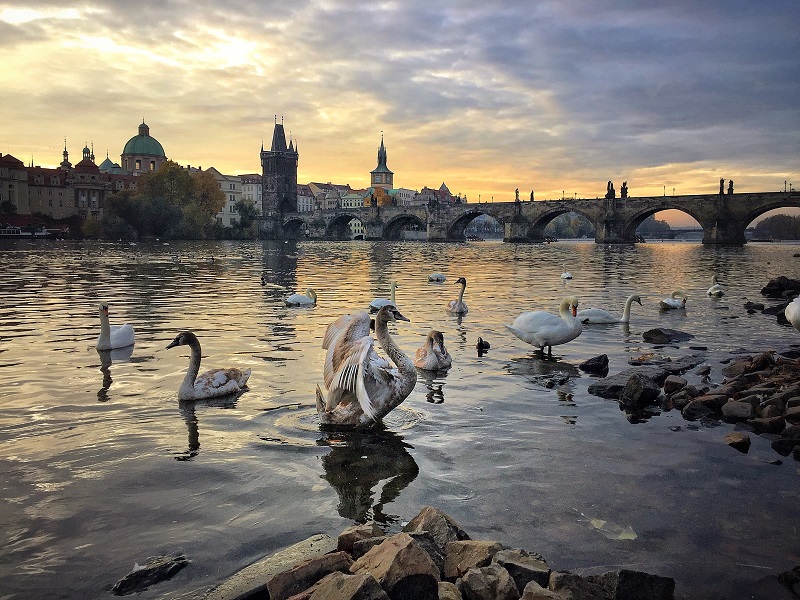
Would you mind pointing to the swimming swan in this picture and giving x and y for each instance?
(433, 356)
(379, 303)
(307, 299)
(217, 382)
(598, 315)
(111, 337)
(676, 300)
(363, 387)
(566, 274)
(544, 329)
(459, 307)
(715, 290)
(437, 278)
(792, 312)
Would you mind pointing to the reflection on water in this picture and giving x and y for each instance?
(361, 465)
(107, 358)
(434, 383)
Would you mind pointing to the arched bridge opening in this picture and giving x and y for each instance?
(631, 231)
(561, 223)
(405, 226)
(457, 229)
(339, 228)
(295, 228)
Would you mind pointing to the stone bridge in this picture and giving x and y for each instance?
(723, 218)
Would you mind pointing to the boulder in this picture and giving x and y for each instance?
(738, 440)
(439, 524)
(792, 415)
(449, 591)
(639, 391)
(674, 383)
(768, 424)
(635, 585)
(461, 556)
(302, 576)
(534, 591)
(696, 410)
(355, 533)
(523, 567)
(733, 411)
(661, 335)
(780, 286)
(597, 365)
(575, 587)
(402, 567)
(361, 547)
(341, 586)
(488, 583)
(154, 570)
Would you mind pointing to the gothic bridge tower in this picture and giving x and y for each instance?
(279, 175)
(382, 177)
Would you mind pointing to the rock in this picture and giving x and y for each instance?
(523, 567)
(611, 387)
(696, 410)
(575, 587)
(402, 567)
(712, 400)
(597, 365)
(439, 524)
(341, 586)
(768, 425)
(449, 591)
(784, 446)
(253, 579)
(302, 576)
(738, 440)
(154, 570)
(534, 591)
(660, 335)
(737, 411)
(427, 543)
(640, 391)
(461, 556)
(674, 383)
(635, 585)
(739, 367)
(754, 306)
(488, 583)
(776, 288)
(357, 532)
(361, 547)
(793, 415)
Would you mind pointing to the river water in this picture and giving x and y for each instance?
(103, 467)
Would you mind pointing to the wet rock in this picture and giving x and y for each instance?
(342, 586)
(154, 570)
(780, 286)
(461, 556)
(523, 567)
(575, 587)
(427, 543)
(635, 585)
(439, 524)
(611, 387)
(355, 533)
(597, 365)
(792, 415)
(361, 547)
(661, 335)
(674, 383)
(534, 591)
(753, 306)
(302, 576)
(449, 591)
(738, 440)
(695, 410)
(768, 425)
(737, 411)
(639, 391)
(402, 567)
(488, 583)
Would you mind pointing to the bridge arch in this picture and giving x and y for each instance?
(536, 228)
(295, 228)
(455, 230)
(393, 230)
(633, 221)
(338, 227)
(792, 201)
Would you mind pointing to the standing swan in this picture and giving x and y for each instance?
(676, 300)
(217, 382)
(459, 307)
(545, 329)
(111, 337)
(598, 315)
(307, 299)
(379, 303)
(365, 387)
(433, 356)
(792, 312)
(715, 291)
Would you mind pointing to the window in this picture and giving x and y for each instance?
(152, 165)
(138, 165)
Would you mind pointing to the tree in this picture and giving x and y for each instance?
(207, 195)
(778, 227)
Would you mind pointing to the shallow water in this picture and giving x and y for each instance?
(103, 467)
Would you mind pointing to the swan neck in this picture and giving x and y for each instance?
(105, 326)
(404, 364)
(461, 293)
(626, 313)
(391, 297)
(194, 365)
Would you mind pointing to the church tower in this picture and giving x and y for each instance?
(381, 176)
(279, 175)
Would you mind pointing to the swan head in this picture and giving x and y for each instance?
(389, 313)
(312, 294)
(637, 300)
(570, 303)
(436, 338)
(462, 281)
(186, 338)
(104, 308)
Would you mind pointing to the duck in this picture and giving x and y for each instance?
(433, 356)
(566, 274)
(545, 330)
(676, 300)
(307, 299)
(437, 278)
(113, 336)
(482, 345)
(363, 387)
(792, 313)
(379, 303)
(598, 315)
(458, 306)
(715, 291)
(211, 384)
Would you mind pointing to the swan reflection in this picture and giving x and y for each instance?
(357, 464)
(433, 381)
(547, 372)
(187, 409)
(107, 358)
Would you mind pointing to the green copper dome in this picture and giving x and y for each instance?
(144, 144)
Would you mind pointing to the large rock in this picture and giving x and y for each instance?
(154, 570)
(574, 587)
(534, 591)
(439, 524)
(402, 567)
(597, 365)
(661, 335)
(302, 576)
(611, 387)
(341, 586)
(738, 440)
(449, 591)
(635, 585)
(674, 383)
(253, 579)
(357, 532)
(781, 287)
(640, 391)
(461, 556)
(737, 411)
(523, 567)
(488, 583)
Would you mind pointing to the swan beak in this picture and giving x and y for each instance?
(400, 317)
(172, 344)
(574, 311)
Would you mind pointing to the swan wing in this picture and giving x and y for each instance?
(220, 382)
(122, 336)
(351, 376)
(338, 340)
(596, 315)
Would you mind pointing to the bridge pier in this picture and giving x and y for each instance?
(270, 227)
(611, 230)
(519, 231)
(724, 233)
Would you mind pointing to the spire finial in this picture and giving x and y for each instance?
(276, 119)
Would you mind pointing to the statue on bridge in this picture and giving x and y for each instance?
(623, 191)
(610, 193)
(721, 186)
(516, 192)
(531, 195)
(730, 187)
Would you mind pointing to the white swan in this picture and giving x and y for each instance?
(437, 278)
(363, 387)
(676, 300)
(598, 315)
(217, 382)
(307, 299)
(116, 336)
(459, 307)
(792, 312)
(379, 303)
(566, 274)
(715, 290)
(545, 329)
(433, 356)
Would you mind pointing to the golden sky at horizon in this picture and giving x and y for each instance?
(558, 97)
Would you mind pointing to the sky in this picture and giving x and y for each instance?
(555, 96)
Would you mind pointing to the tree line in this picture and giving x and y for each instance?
(778, 227)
